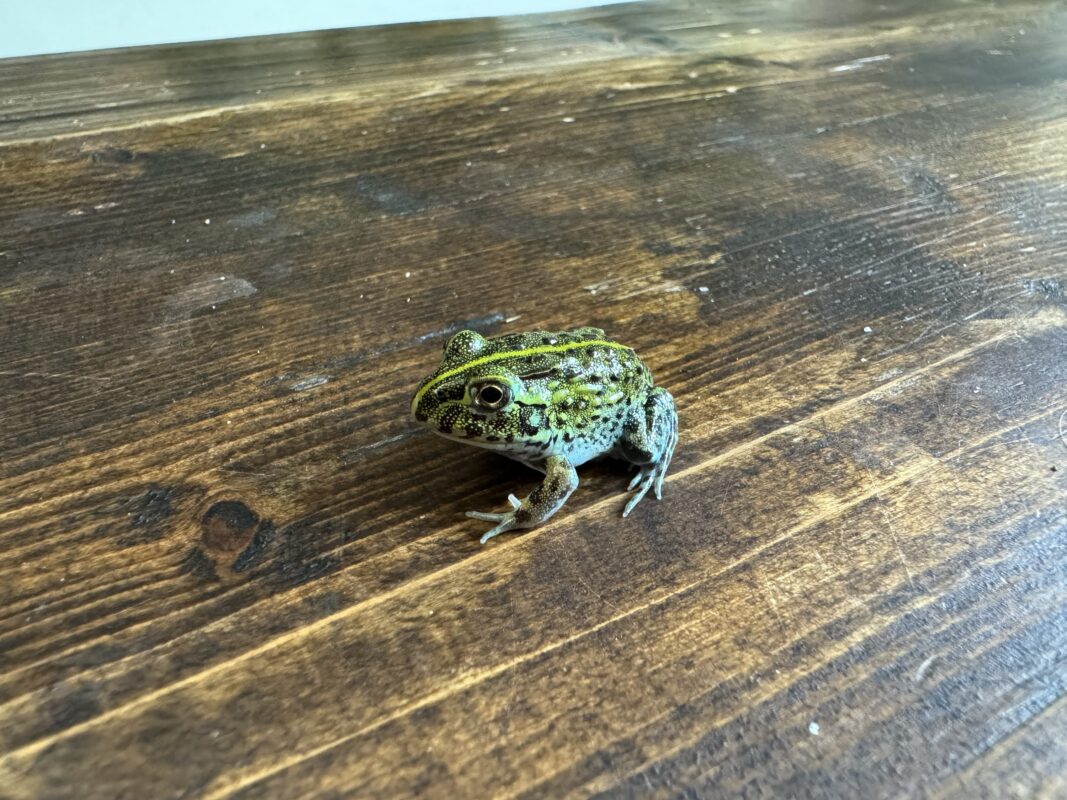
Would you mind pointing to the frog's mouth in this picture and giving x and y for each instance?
(501, 445)
(523, 451)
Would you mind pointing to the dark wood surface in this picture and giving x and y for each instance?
(230, 565)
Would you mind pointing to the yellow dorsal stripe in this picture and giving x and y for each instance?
(531, 351)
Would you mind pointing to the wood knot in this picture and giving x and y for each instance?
(228, 525)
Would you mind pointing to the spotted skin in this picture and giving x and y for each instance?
(552, 400)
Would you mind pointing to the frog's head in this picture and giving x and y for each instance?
(480, 394)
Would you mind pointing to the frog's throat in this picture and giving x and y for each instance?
(529, 351)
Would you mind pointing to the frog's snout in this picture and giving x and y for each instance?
(418, 409)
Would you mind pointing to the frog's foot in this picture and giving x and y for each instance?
(543, 502)
(505, 522)
(648, 441)
(647, 476)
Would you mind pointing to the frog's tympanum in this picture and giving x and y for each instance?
(552, 401)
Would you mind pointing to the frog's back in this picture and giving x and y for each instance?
(536, 352)
(590, 384)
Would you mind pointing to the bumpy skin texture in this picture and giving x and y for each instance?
(552, 400)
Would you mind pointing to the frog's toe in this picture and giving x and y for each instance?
(634, 481)
(499, 529)
(505, 521)
(660, 475)
(647, 478)
(487, 516)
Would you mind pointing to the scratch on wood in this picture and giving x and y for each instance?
(56, 375)
(924, 667)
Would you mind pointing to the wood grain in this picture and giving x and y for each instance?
(233, 567)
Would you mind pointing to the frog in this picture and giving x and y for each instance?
(552, 400)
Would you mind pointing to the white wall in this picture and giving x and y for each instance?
(29, 27)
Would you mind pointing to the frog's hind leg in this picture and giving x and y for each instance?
(648, 440)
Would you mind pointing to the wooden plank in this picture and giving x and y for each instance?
(1031, 763)
(231, 564)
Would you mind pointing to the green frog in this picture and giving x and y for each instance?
(552, 401)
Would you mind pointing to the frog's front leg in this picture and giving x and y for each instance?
(648, 439)
(560, 480)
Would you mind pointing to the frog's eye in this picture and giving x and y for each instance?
(465, 343)
(491, 395)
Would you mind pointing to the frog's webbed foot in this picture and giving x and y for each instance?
(544, 501)
(505, 521)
